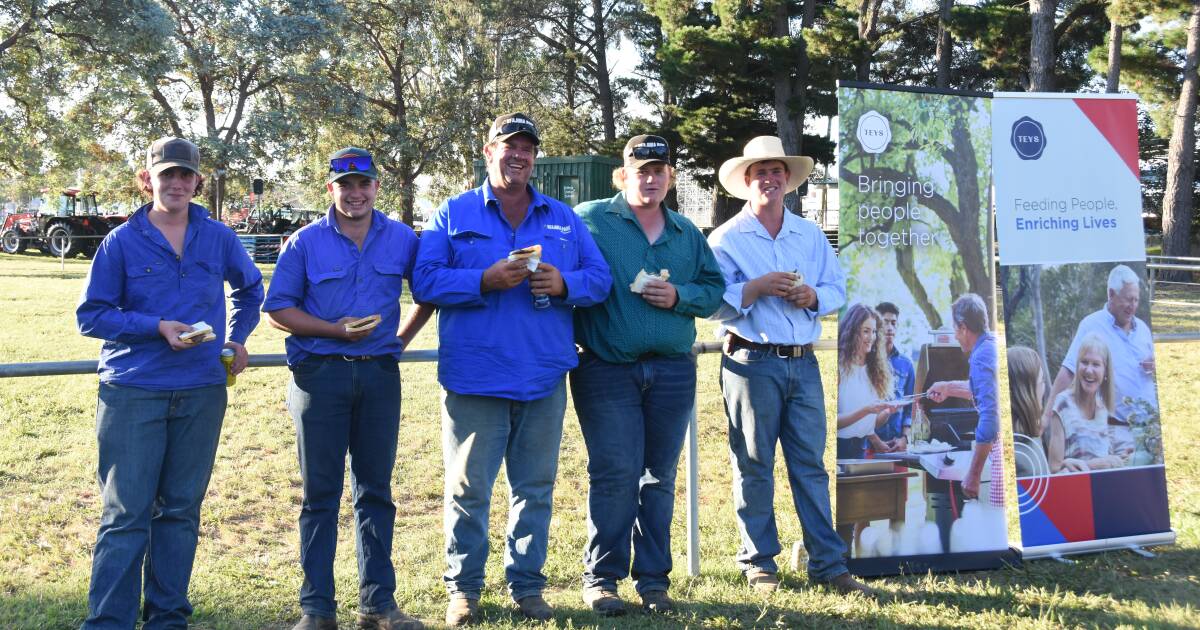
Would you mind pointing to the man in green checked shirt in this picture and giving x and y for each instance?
(635, 387)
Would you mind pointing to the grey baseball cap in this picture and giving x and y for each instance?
(508, 125)
(169, 151)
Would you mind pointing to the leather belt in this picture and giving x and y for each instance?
(348, 357)
(786, 352)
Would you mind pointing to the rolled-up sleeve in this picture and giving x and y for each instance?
(982, 379)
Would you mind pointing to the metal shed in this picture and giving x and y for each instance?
(572, 179)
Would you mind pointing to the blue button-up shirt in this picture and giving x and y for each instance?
(745, 251)
(324, 273)
(981, 377)
(903, 376)
(496, 343)
(137, 280)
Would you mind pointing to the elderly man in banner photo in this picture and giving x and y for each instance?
(336, 291)
(781, 275)
(162, 396)
(507, 265)
(1129, 342)
(635, 386)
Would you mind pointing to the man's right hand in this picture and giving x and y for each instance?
(170, 330)
(775, 283)
(346, 335)
(504, 275)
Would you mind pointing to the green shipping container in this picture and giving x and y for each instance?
(572, 180)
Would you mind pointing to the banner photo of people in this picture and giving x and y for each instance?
(919, 479)
(1087, 438)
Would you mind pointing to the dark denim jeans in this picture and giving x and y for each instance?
(769, 400)
(478, 433)
(156, 457)
(346, 406)
(634, 417)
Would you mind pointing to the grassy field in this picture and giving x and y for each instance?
(247, 574)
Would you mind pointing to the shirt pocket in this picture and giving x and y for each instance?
(473, 250)
(205, 280)
(327, 294)
(560, 250)
(146, 286)
(389, 280)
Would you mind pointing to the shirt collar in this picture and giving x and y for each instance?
(536, 199)
(141, 219)
(619, 205)
(1112, 321)
(328, 221)
(747, 222)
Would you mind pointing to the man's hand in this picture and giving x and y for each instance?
(504, 275)
(775, 283)
(347, 335)
(241, 358)
(802, 296)
(939, 391)
(970, 484)
(170, 330)
(547, 280)
(660, 294)
(878, 445)
(897, 445)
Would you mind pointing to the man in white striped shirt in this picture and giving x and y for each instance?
(781, 275)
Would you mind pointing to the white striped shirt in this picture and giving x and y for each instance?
(745, 251)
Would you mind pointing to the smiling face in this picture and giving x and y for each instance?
(1123, 304)
(1090, 370)
(646, 186)
(868, 332)
(510, 162)
(766, 182)
(354, 196)
(173, 188)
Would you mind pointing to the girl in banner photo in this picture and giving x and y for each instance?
(1027, 390)
(1083, 410)
(864, 380)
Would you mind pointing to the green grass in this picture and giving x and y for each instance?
(247, 575)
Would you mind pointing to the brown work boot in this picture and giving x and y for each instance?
(762, 581)
(657, 602)
(390, 620)
(535, 608)
(847, 585)
(313, 622)
(603, 601)
(462, 611)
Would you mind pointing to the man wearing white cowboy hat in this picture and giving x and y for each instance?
(781, 275)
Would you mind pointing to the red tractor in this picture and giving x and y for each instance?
(76, 227)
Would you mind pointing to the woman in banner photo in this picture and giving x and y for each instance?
(1027, 390)
(864, 380)
(1083, 410)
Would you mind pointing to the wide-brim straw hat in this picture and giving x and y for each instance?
(732, 173)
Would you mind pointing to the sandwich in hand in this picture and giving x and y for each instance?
(200, 333)
(365, 323)
(797, 278)
(642, 278)
(532, 254)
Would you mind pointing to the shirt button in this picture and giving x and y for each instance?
(147, 270)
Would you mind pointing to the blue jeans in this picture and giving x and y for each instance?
(478, 432)
(634, 417)
(769, 399)
(156, 453)
(343, 406)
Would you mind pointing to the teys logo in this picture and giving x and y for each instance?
(874, 132)
(1028, 138)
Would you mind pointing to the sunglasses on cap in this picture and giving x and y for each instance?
(516, 127)
(351, 164)
(650, 151)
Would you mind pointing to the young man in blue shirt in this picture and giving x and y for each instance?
(161, 399)
(781, 275)
(892, 436)
(344, 394)
(503, 359)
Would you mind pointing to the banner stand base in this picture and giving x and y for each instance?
(935, 562)
(1132, 543)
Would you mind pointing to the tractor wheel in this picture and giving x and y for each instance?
(11, 243)
(61, 240)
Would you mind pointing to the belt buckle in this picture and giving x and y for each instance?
(351, 358)
(784, 352)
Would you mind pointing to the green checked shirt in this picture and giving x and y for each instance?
(625, 326)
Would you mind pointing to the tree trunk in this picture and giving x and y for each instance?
(1181, 166)
(868, 23)
(603, 81)
(1041, 46)
(724, 207)
(789, 121)
(1114, 57)
(945, 44)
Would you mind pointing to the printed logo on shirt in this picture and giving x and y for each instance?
(565, 229)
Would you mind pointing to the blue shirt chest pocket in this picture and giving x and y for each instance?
(329, 292)
(389, 279)
(203, 282)
(560, 250)
(147, 287)
(471, 249)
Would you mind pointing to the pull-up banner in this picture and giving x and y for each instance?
(1085, 414)
(920, 474)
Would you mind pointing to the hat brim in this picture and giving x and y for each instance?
(162, 166)
(505, 136)
(371, 174)
(732, 173)
(641, 163)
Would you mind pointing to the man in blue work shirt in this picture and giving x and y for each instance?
(344, 395)
(161, 399)
(502, 360)
(893, 435)
(780, 276)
